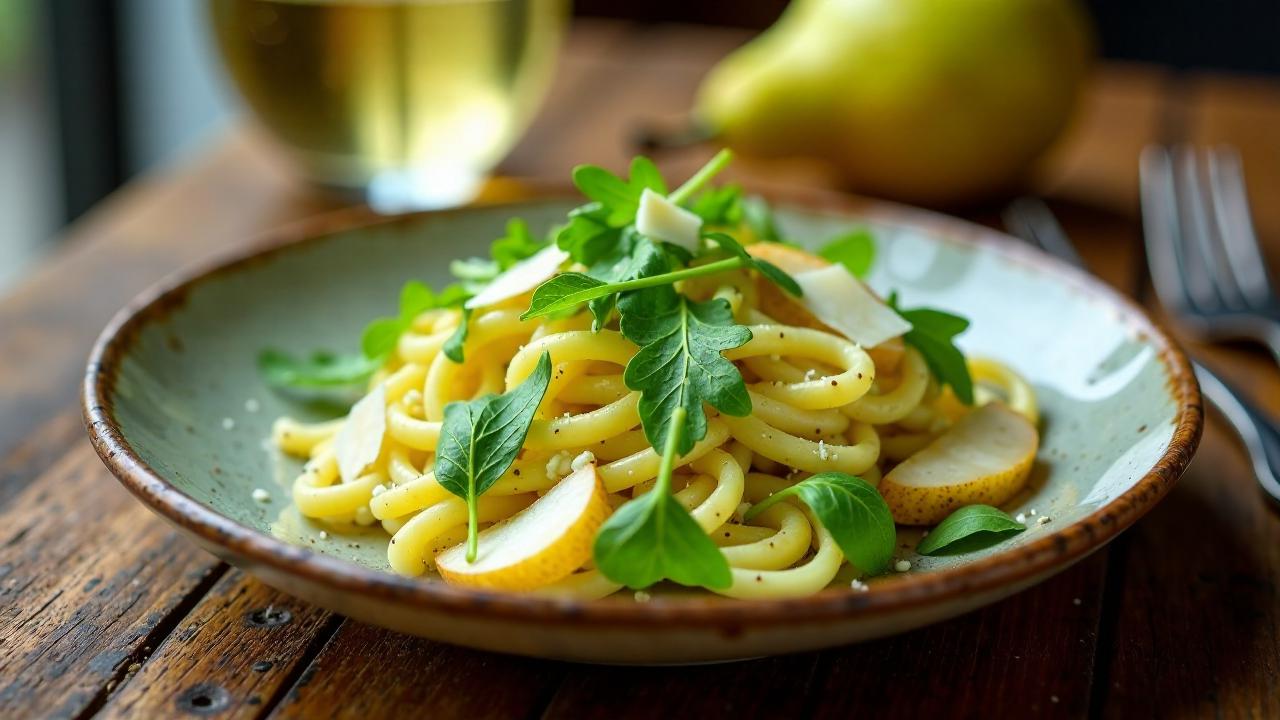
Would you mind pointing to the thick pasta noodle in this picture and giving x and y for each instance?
(819, 401)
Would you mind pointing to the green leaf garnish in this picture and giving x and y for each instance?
(635, 257)
(699, 179)
(654, 538)
(479, 440)
(595, 230)
(933, 333)
(775, 274)
(758, 217)
(852, 510)
(319, 370)
(971, 528)
(856, 251)
(380, 336)
(720, 206)
(518, 244)
(452, 347)
(568, 290)
(679, 364)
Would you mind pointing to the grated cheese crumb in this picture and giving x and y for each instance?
(1021, 517)
(902, 565)
(1075, 601)
(859, 586)
(260, 495)
(1044, 520)
(739, 514)
(324, 535)
(810, 374)
(822, 450)
(559, 465)
(228, 423)
(1033, 512)
(642, 596)
(585, 458)
(251, 405)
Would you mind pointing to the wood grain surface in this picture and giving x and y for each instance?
(106, 611)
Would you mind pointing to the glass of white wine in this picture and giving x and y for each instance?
(408, 102)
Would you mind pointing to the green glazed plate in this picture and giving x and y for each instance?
(176, 409)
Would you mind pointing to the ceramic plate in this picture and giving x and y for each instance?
(176, 410)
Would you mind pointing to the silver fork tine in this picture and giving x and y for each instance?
(1240, 242)
(1207, 283)
(1211, 238)
(1160, 219)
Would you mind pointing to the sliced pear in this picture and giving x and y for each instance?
(786, 310)
(984, 458)
(539, 545)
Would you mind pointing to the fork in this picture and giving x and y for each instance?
(1205, 261)
(1030, 219)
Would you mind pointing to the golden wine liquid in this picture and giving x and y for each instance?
(413, 99)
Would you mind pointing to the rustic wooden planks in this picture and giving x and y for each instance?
(1179, 627)
(1197, 630)
(234, 655)
(89, 581)
(368, 672)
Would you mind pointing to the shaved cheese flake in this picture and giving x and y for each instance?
(521, 277)
(661, 219)
(841, 301)
(359, 442)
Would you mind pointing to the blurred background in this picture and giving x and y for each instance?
(94, 92)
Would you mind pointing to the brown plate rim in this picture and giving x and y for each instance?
(1016, 566)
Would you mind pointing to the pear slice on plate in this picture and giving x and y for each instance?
(984, 458)
(788, 311)
(541, 544)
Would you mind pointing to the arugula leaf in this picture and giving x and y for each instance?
(719, 206)
(636, 257)
(702, 177)
(319, 370)
(933, 333)
(618, 199)
(452, 347)
(776, 275)
(588, 237)
(972, 527)
(479, 440)
(518, 244)
(568, 290)
(653, 537)
(679, 364)
(758, 217)
(644, 174)
(595, 230)
(852, 510)
(856, 251)
(380, 336)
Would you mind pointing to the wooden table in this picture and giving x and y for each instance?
(106, 611)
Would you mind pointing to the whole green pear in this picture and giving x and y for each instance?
(932, 101)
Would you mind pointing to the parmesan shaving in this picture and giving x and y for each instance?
(359, 442)
(521, 277)
(846, 305)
